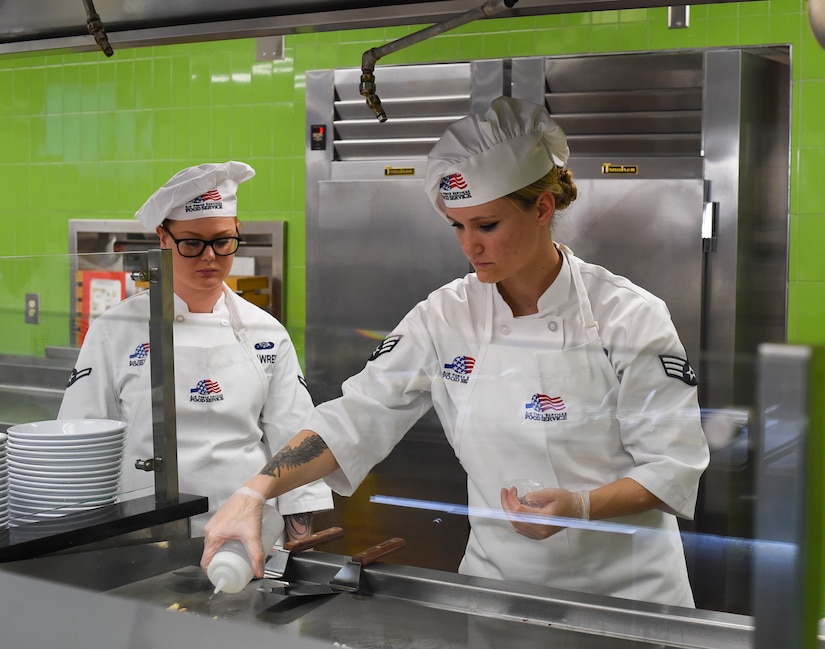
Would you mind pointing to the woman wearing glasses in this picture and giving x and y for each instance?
(239, 389)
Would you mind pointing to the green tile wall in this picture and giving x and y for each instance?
(88, 137)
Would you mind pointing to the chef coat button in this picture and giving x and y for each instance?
(505, 329)
(552, 326)
(179, 318)
(224, 323)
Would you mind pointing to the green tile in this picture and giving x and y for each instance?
(604, 38)
(125, 85)
(811, 165)
(574, 40)
(88, 140)
(200, 80)
(241, 134)
(811, 57)
(722, 31)
(35, 84)
(262, 130)
(724, 10)
(163, 133)
(201, 133)
(220, 133)
(755, 8)
(754, 29)
(88, 88)
(162, 82)
(811, 109)
(633, 36)
(144, 79)
(183, 133)
(811, 234)
(7, 88)
(107, 86)
(124, 135)
(180, 94)
(810, 298)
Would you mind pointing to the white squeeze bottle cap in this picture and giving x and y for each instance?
(230, 569)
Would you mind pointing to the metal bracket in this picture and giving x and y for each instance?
(678, 17)
(152, 464)
(710, 222)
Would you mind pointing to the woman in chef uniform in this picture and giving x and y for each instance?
(240, 392)
(540, 366)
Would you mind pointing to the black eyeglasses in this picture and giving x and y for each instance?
(223, 247)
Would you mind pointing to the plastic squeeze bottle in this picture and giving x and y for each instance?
(230, 570)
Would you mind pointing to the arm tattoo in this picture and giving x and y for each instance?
(291, 458)
(298, 525)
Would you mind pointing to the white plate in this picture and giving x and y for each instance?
(61, 483)
(16, 488)
(38, 472)
(27, 508)
(65, 429)
(46, 460)
(80, 446)
(84, 457)
(83, 469)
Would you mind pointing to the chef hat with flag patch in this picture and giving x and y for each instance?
(483, 157)
(195, 193)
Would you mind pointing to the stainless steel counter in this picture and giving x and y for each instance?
(399, 606)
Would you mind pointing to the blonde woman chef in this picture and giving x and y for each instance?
(240, 392)
(539, 365)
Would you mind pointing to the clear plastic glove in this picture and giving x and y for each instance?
(545, 502)
(238, 518)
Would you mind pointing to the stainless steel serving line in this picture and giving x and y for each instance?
(399, 606)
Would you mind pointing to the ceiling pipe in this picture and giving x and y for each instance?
(96, 29)
(371, 56)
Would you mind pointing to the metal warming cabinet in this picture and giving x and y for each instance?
(681, 161)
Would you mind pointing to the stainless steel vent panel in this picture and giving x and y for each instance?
(684, 122)
(397, 128)
(383, 149)
(628, 105)
(636, 146)
(624, 72)
(626, 100)
(396, 82)
(421, 101)
(400, 108)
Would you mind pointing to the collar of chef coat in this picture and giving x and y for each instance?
(557, 304)
(220, 308)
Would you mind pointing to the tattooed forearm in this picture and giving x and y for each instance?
(298, 525)
(291, 458)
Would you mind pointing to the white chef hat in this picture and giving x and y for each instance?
(483, 157)
(196, 192)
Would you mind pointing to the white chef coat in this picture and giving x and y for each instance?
(592, 388)
(240, 396)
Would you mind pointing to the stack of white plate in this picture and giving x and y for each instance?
(4, 483)
(63, 466)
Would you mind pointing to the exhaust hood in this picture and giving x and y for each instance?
(31, 25)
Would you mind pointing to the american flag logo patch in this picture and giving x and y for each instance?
(387, 345)
(206, 386)
(141, 351)
(211, 195)
(453, 182)
(678, 368)
(206, 391)
(461, 365)
(543, 403)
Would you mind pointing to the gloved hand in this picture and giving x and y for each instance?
(238, 518)
(545, 502)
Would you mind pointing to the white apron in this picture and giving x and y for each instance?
(568, 437)
(219, 393)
